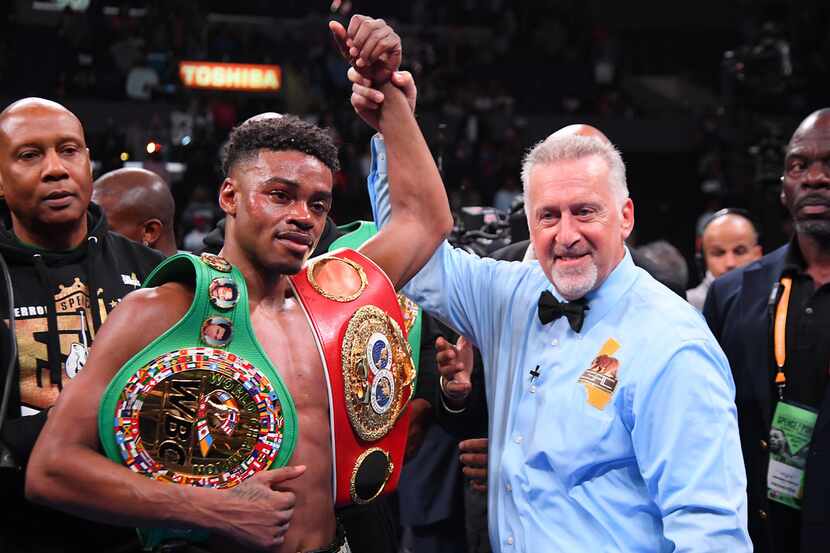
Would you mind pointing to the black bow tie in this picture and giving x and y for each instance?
(550, 309)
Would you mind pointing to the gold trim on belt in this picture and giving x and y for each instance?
(377, 366)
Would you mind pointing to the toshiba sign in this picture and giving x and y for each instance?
(230, 76)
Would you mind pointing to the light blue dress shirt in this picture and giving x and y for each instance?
(658, 469)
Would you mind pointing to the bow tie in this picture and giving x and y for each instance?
(550, 309)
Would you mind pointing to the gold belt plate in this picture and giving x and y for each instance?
(199, 416)
(377, 372)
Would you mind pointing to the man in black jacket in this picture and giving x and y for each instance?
(772, 319)
(68, 272)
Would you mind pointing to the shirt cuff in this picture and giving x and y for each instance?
(379, 155)
(444, 403)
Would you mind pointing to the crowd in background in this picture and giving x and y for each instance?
(477, 66)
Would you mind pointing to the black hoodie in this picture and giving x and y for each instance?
(56, 319)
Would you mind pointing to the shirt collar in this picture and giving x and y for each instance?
(794, 260)
(604, 298)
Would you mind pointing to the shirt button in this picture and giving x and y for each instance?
(763, 514)
(555, 342)
(532, 389)
(509, 540)
(517, 439)
(809, 310)
(508, 487)
(764, 445)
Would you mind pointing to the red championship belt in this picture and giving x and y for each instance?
(359, 330)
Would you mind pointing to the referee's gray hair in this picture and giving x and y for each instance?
(559, 148)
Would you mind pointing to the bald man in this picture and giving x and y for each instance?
(139, 205)
(68, 271)
(730, 240)
(580, 129)
(772, 318)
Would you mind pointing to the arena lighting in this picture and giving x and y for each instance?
(125, 156)
(230, 76)
(153, 147)
(60, 5)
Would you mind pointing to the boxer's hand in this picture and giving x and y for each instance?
(257, 513)
(366, 100)
(420, 417)
(474, 461)
(371, 46)
(455, 364)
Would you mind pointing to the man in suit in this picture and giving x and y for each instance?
(729, 241)
(430, 494)
(772, 319)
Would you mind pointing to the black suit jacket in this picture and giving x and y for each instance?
(739, 313)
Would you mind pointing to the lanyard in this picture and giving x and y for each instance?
(780, 335)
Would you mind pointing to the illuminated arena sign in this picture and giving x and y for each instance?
(230, 76)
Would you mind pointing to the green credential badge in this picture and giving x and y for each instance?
(789, 445)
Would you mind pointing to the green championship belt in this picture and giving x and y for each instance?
(201, 405)
(357, 233)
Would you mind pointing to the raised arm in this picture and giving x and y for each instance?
(66, 470)
(420, 215)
